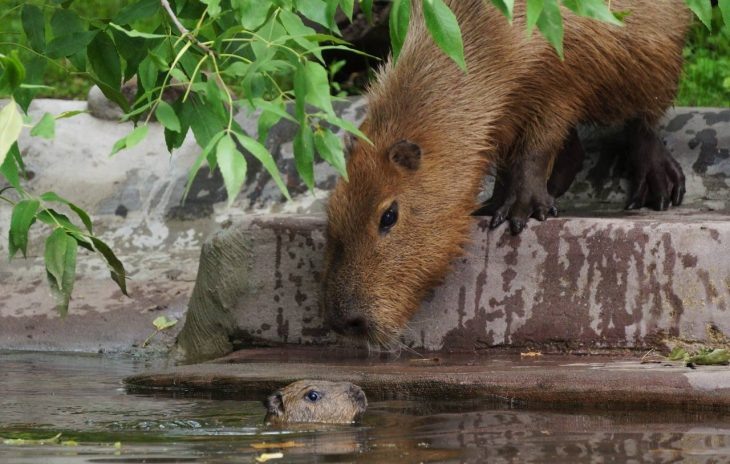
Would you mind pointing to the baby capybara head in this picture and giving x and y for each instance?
(393, 229)
(316, 401)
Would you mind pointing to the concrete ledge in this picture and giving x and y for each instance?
(596, 381)
(632, 281)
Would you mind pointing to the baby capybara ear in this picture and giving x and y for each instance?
(405, 154)
(274, 404)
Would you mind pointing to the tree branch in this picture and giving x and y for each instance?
(183, 30)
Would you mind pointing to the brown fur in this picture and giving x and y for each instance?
(517, 97)
(338, 403)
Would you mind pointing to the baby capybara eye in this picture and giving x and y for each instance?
(389, 217)
(313, 395)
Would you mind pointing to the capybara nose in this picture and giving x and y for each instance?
(356, 326)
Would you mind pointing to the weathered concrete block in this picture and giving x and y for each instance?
(573, 282)
(134, 198)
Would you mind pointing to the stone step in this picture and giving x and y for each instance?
(639, 280)
(543, 381)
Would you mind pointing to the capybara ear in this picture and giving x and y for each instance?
(274, 404)
(406, 154)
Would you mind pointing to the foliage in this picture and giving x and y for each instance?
(702, 357)
(706, 78)
(221, 56)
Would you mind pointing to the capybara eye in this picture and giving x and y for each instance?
(313, 395)
(389, 217)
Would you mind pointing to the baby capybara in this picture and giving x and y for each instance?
(316, 401)
(405, 213)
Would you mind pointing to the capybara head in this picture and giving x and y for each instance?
(393, 228)
(316, 401)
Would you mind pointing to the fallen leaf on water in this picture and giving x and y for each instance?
(27, 441)
(531, 354)
(710, 357)
(269, 456)
(162, 322)
(285, 444)
(677, 354)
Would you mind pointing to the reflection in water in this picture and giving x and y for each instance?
(82, 397)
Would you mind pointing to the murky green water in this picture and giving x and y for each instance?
(83, 399)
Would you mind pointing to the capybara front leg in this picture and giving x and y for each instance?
(656, 178)
(525, 194)
(567, 165)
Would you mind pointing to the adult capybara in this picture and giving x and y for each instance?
(316, 401)
(405, 213)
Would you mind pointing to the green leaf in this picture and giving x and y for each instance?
(65, 22)
(506, 7)
(296, 28)
(137, 34)
(348, 6)
(45, 128)
(724, 6)
(400, 15)
(534, 9)
(147, 72)
(199, 161)
(550, 25)
(139, 10)
(262, 154)
(70, 44)
(20, 221)
(11, 123)
(304, 154)
(349, 126)
(34, 27)
(316, 85)
(163, 322)
(116, 267)
(104, 59)
(131, 139)
(167, 117)
(13, 73)
(60, 257)
(315, 10)
(232, 165)
(367, 8)
(10, 169)
(214, 7)
(83, 215)
(251, 13)
(329, 147)
(595, 9)
(53, 218)
(444, 29)
(55, 255)
(703, 10)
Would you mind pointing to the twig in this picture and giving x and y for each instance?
(183, 30)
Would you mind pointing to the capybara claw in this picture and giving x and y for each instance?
(553, 211)
(516, 226)
(497, 220)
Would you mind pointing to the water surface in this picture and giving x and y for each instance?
(82, 398)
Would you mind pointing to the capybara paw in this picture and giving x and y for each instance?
(659, 182)
(518, 210)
